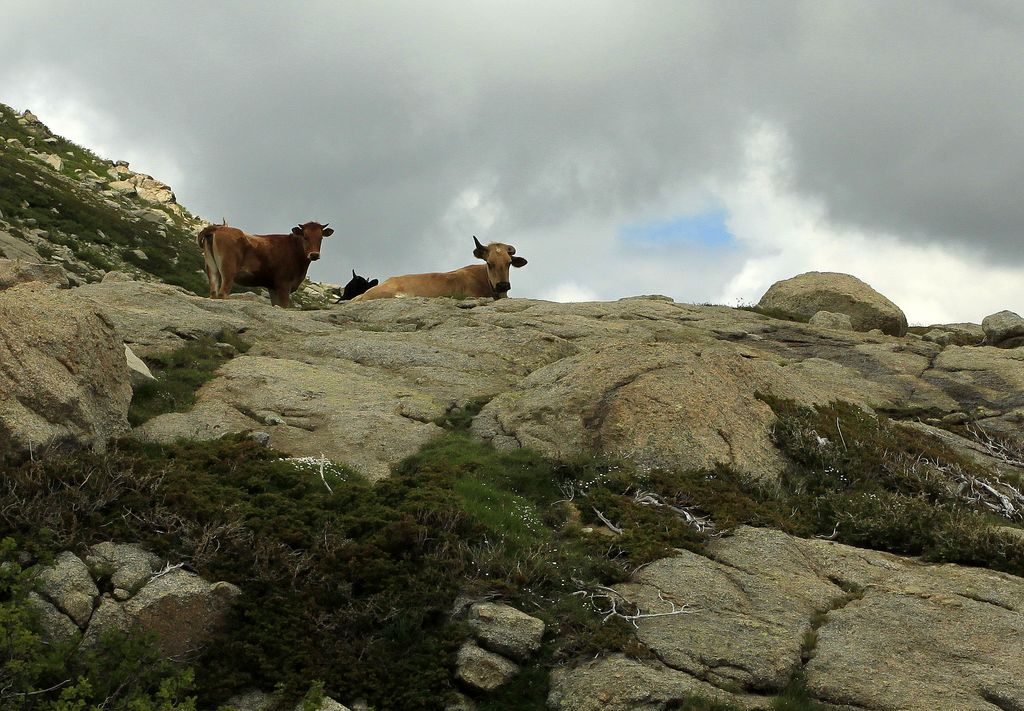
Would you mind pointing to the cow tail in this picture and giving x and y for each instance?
(205, 236)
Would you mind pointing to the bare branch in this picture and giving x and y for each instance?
(703, 524)
(166, 569)
(611, 526)
(609, 603)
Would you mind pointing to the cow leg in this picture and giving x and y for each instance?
(281, 296)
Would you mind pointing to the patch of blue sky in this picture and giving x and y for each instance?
(705, 229)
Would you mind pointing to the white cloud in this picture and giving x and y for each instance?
(74, 117)
(569, 291)
(788, 234)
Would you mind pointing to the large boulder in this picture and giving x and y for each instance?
(1004, 329)
(153, 190)
(63, 375)
(807, 294)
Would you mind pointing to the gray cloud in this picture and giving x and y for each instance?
(565, 117)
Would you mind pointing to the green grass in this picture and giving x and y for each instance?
(179, 374)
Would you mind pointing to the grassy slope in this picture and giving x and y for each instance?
(90, 232)
(100, 231)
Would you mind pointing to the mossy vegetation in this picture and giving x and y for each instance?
(179, 375)
(354, 585)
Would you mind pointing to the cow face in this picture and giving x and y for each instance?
(358, 285)
(312, 234)
(499, 258)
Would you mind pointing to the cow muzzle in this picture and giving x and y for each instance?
(502, 287)
(313, 256)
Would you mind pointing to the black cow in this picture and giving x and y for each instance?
(354, 288)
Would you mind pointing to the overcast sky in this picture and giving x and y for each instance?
(700, 150)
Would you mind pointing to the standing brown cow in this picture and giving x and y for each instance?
(480, 280)
(276, 262)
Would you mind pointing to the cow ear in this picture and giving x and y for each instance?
(518, 262)
(328, 232)
(297, 230)
(372, 282)
(480, 252)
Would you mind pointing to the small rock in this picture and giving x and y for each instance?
(956, 418)
(270, 418)
(56, 626)
(140, 255)
(649, 297)
(68, 585)
(18, 272)
(253, 700)
(1004, 329)
(122, 187)
(942, 338)
(260, 437)
(461, 703)
(327, 704)
(506, 630)
(140, 372)
(115, 275)
(481, 669)
(129, 566)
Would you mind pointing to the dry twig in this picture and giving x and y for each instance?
(610, 603)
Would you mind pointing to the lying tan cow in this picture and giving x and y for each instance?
(490, 279)
(276, 262)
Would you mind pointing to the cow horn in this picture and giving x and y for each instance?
(479, 246)
(353, 273)
(511, 250)
(325, 224)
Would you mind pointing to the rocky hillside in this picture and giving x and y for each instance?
(515, 504)
(62, 204)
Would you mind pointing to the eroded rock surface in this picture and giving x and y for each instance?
(63, 376)
(896, 634)
(661, 383)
